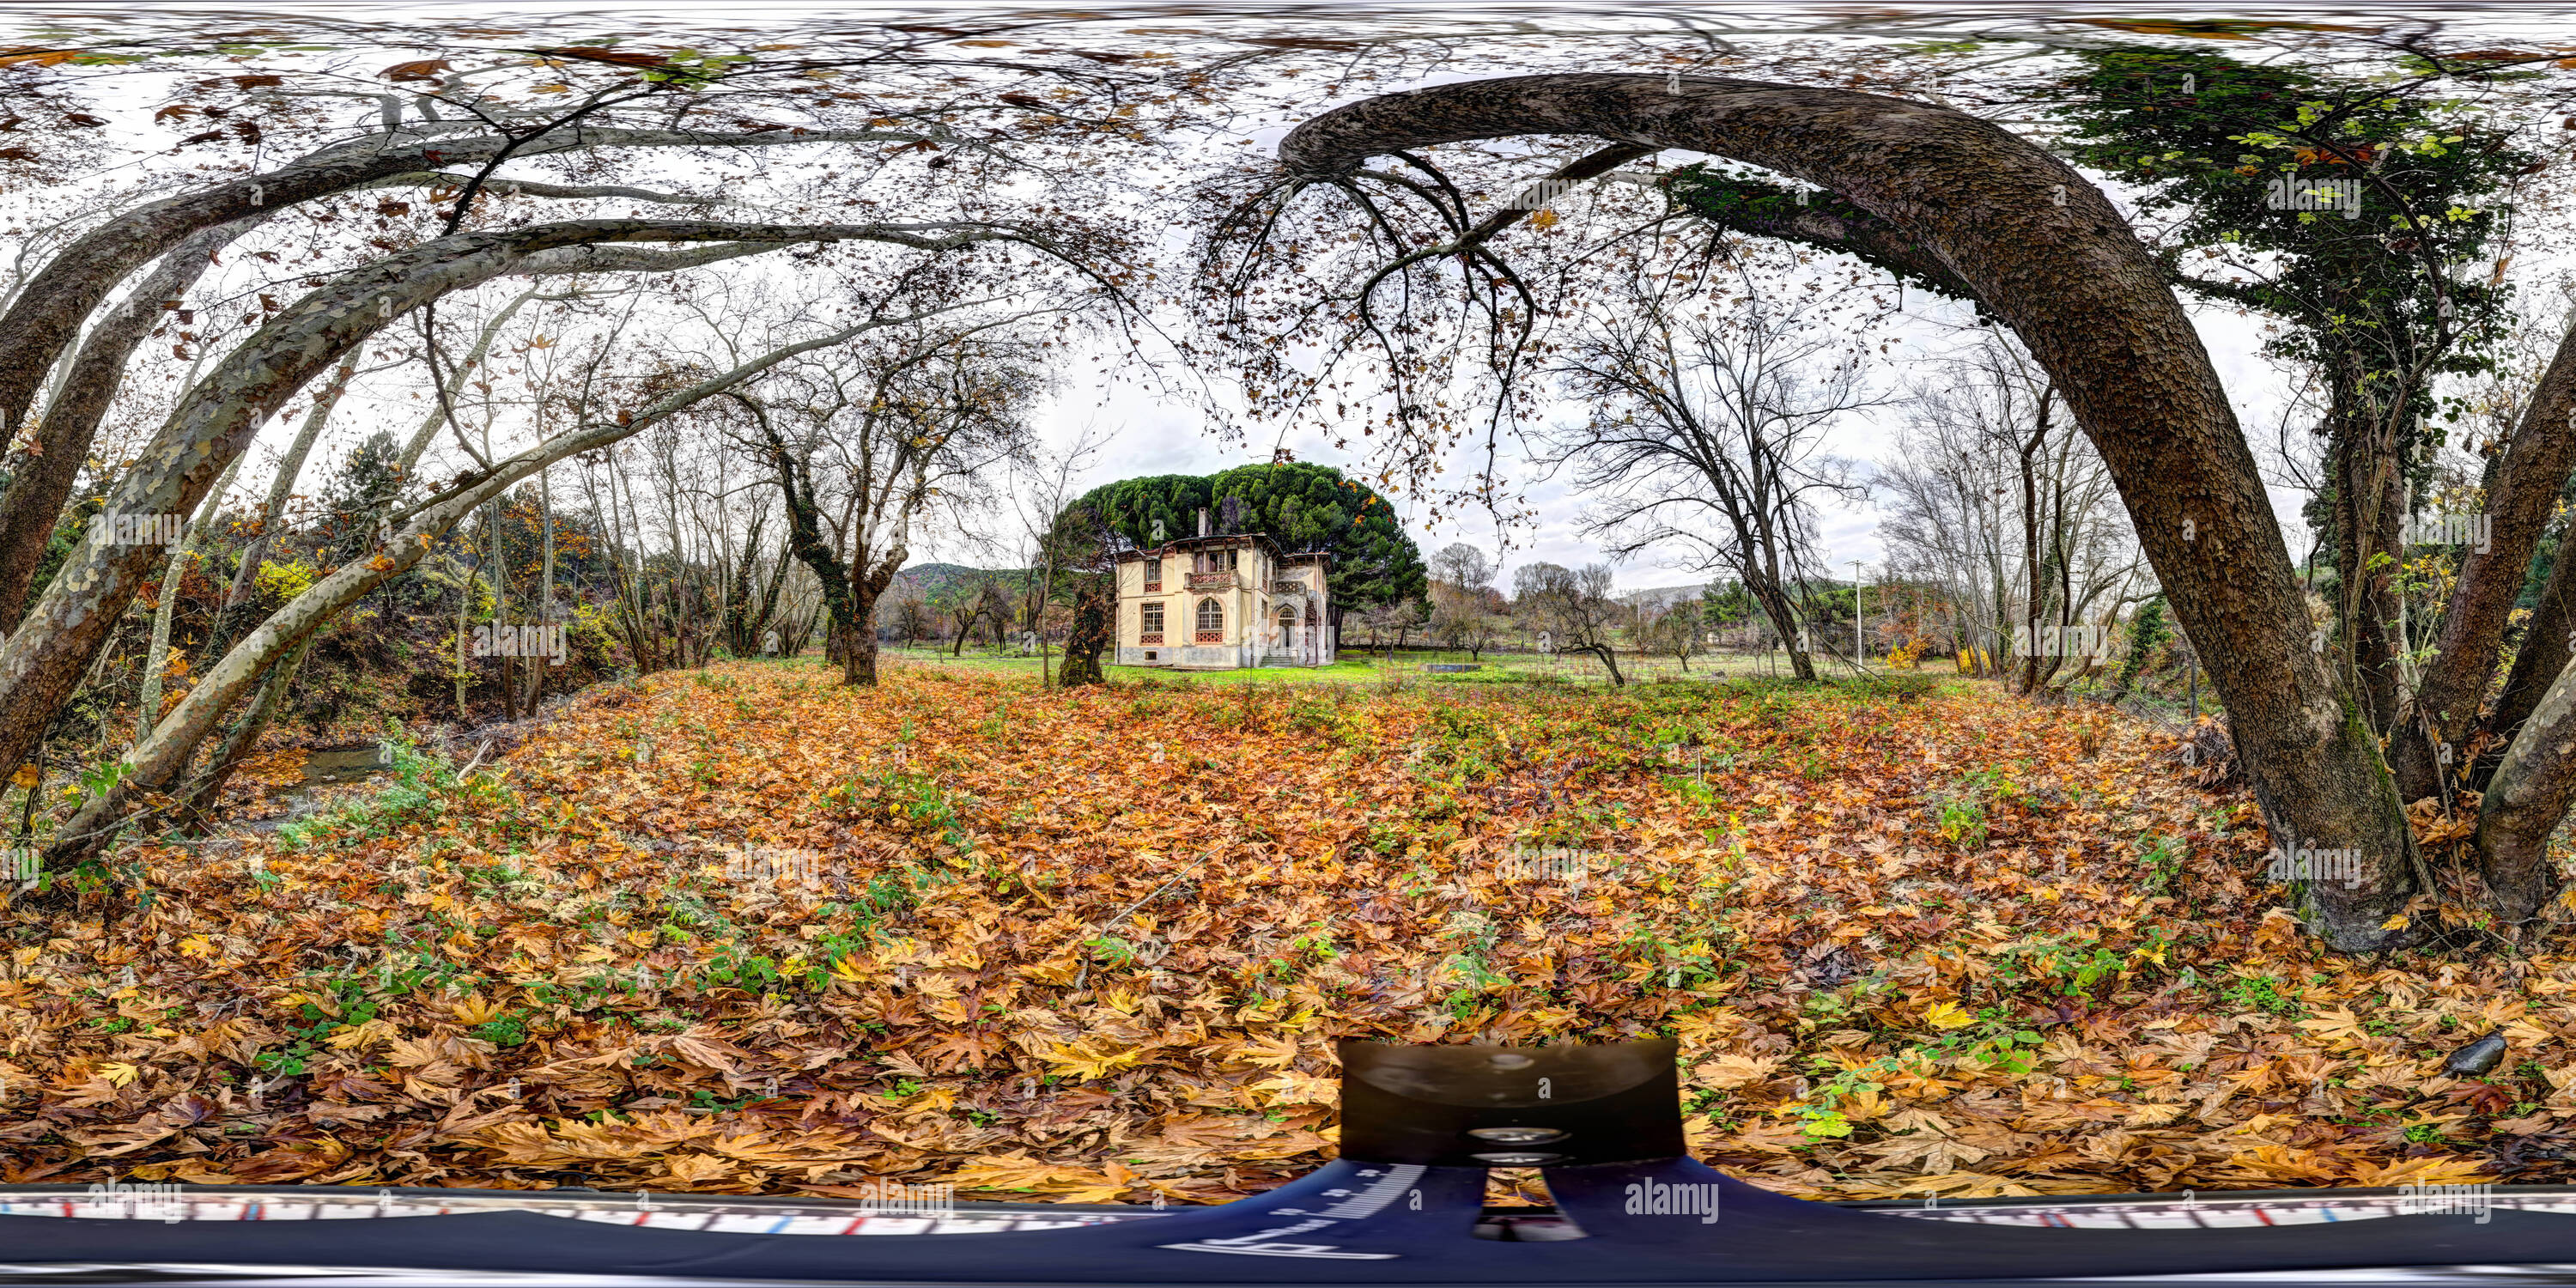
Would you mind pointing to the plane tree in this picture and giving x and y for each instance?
(2042, 251)
(78, 306)
(863, 448)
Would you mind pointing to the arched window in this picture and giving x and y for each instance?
(1211, 621)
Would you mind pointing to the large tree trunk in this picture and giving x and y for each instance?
(2528, 480)
(859, 636)
(1094, 604)
(41, 478)
(2047, 253)
(2524, 802)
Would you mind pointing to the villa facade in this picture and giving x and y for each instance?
(1219, 603)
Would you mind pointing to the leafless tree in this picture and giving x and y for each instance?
(1462, 593)
(1994, 496)
(1705, 432)
(864, 447)
(1574, 608)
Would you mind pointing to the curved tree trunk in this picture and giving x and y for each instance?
(2528, 480)
(48, 466)
(2529, 794)
(1610, 659)
(2049, 255)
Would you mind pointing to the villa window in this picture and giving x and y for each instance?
(1154, 575)
(1153, 624)
(1211, 622)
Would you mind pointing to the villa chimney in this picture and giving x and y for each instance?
(1203, 528)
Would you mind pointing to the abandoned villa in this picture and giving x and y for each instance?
(1217, 603)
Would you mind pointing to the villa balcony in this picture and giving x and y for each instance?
(1223, 580)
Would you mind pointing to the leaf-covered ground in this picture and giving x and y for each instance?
(743, 930)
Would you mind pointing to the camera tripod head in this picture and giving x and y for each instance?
(1497, 1106)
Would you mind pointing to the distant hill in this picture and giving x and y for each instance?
(1660, 596)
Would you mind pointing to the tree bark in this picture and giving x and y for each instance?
(2369, 503)
(2537, 661)
(1784, 621)
(2524, 802)
(1610, 658)
(48, 312)
(50, 463)
(859, 657)
(2048, 254)
(1094, 604)
(2528, 480)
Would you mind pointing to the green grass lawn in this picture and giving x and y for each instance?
(1359, 667)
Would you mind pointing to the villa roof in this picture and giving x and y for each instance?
(1220, 540)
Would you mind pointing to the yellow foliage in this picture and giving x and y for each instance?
(285, 581)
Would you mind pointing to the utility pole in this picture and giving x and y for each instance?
(1860, 649)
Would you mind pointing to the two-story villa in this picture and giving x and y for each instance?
(1213, 603)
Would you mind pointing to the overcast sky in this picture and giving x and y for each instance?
(1146, 430)
(1142, 434)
